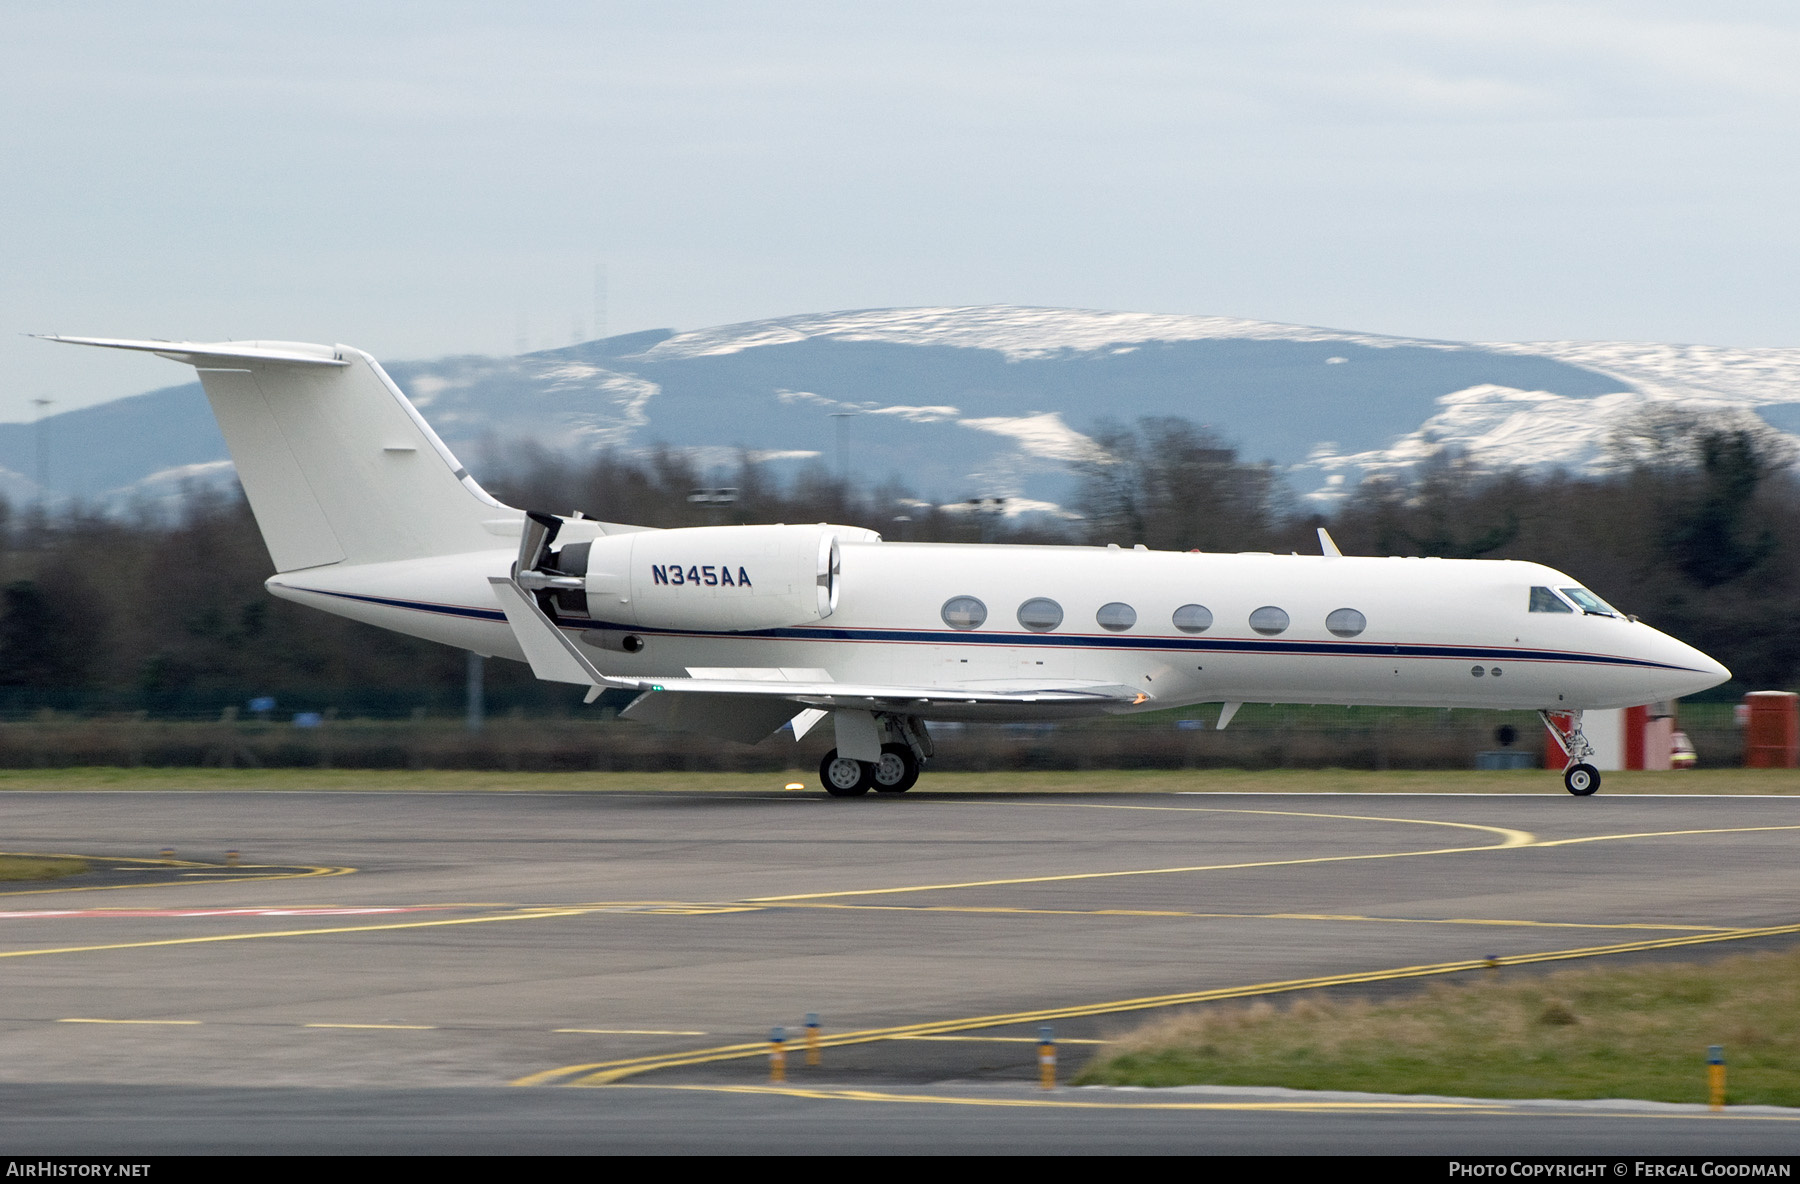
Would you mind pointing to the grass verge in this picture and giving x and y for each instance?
(38, 867)
(1631, 1032)
(1696, 781)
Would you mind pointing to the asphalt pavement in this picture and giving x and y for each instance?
(602, 971)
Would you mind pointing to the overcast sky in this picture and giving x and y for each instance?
(437, 178)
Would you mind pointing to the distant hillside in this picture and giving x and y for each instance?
(982, 401)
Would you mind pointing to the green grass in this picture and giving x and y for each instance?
(38, 867)
(1697, 781)
(1629, 1032)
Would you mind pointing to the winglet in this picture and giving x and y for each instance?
(1226, 711)
(1326, 546)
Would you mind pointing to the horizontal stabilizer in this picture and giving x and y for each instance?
(196, 353)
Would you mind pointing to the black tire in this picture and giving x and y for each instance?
(897, 771)
(845, 778)
(1581, 780)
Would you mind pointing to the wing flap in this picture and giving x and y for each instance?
(841, 694)
(729, 717)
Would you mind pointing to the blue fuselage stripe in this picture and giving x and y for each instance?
(1192, 645)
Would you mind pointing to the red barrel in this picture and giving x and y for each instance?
(1772, 731)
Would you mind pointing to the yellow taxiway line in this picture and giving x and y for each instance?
(305, 872)
(1511, 840)
(1495, 922)
(1508, 838)
(664, 909)
(1496, 1106)
(608, 1072)
(1659, 834)
(525, 915)
(996, 1039)
(871, 1095)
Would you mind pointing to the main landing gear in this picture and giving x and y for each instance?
(1579, 777)
(844, 777)
(897, 770)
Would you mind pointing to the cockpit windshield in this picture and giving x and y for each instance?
(1589, 603)
(1545, 601)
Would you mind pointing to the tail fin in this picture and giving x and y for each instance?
(337, 463)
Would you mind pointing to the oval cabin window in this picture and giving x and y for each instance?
(1040, 614)
(964, 612)
(1346, 622)
(1269, 620)
(1193, 618)
(1116, 616)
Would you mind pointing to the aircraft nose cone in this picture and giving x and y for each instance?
(1705, 670)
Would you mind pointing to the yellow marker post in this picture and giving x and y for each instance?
(777, 1054)
(1046, 1057)
(1492, 962)
(231, 859)
(1715, 1075)
(812, 1038)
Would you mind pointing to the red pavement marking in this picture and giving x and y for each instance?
(262, 912)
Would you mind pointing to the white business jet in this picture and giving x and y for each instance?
(736, 631)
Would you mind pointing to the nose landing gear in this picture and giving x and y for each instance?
(1579, 777)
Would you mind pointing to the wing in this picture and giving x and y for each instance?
(557, 659)
(887, 696)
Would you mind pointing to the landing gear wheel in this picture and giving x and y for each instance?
(897, 770)
(1581, 780)
(845, 778)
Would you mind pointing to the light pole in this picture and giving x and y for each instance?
(474, 693)
(599, 301)
(843, 443)
(43, 453)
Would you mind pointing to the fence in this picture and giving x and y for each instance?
(1259, 738)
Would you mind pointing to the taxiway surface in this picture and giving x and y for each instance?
(420, 948)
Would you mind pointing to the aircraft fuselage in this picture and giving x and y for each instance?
(1435, 632)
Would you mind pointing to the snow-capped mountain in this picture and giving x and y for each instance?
(992, 400)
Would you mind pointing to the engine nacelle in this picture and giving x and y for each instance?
(718, 577)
